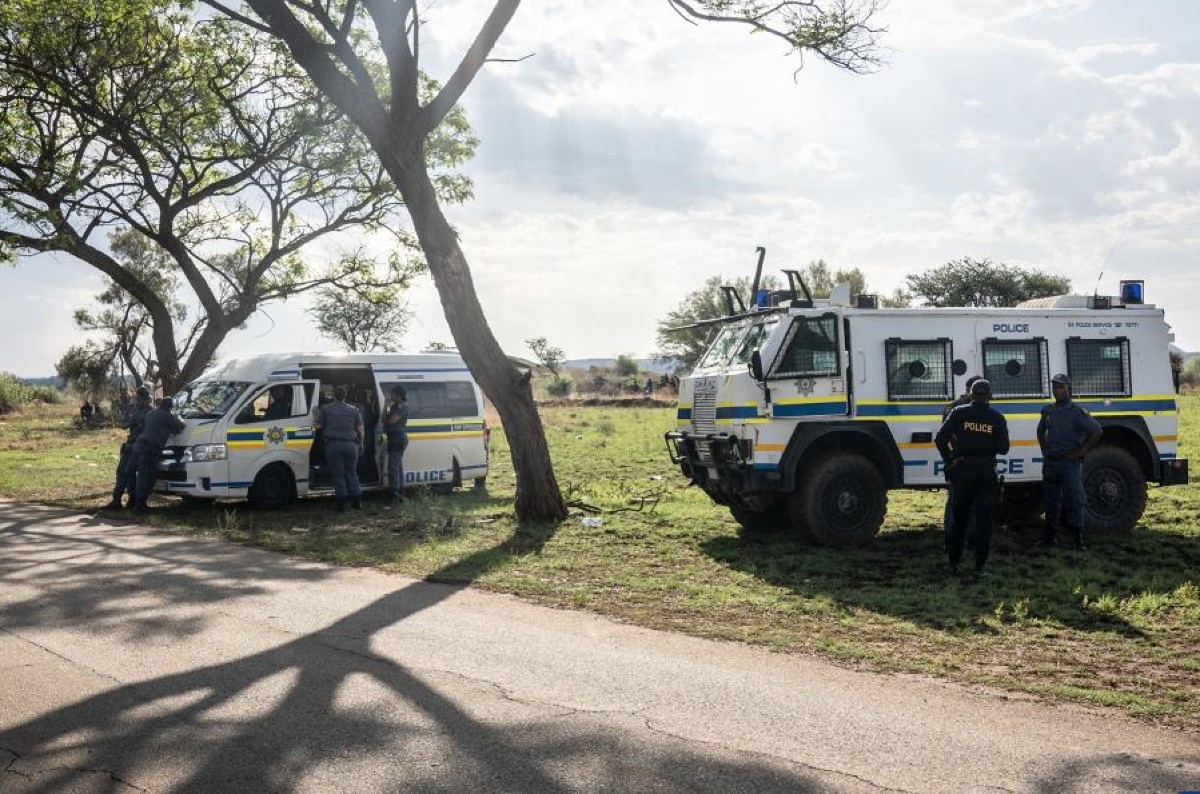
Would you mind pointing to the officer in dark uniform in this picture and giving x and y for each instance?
(969, 441)
(342, 427)
(948, 518)
(396, 427)
(159, 426)
(126, 471)
(1065, 433)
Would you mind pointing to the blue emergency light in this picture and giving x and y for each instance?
(1133, 293)
(762, 298)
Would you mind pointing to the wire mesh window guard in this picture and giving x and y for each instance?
(1017, 368)
(810, 349)
(1099, 367)
(919, 369)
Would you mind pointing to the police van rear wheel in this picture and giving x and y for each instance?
(1115, 490)
(273, 488)
(759, 522)
(841, 502)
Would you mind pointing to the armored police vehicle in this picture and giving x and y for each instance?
(804, 413)
(249, 425)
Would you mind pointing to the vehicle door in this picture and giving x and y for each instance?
(807, 372)
(275, 423)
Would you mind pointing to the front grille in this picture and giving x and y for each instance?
(172, 454)
(704, 421)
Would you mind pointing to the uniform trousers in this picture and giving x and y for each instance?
(1062, 482)
(145, 463)
(126, 473)
(395, 467)
(342, 457)
(974, 493)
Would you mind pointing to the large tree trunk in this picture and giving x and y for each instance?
(538, 496)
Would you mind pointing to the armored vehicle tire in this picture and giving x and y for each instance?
(1021, 503)
(841, 501)
(273, 488)
(759, 522)
(1115, 489)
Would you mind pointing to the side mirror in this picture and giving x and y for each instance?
(756, 369)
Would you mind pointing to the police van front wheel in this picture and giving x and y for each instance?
(1115, 489)
(273, 488)
(841, 502)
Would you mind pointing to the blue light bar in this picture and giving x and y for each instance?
(1133, 293)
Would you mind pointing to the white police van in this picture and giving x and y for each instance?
(804, 412)
(249, 425)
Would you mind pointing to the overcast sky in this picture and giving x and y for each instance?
(635, 155)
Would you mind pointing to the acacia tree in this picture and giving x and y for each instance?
(200, 136)
(123, 323)
(334, 41)
(982, 282)
(364, 316)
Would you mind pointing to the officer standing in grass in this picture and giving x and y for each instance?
(126, 470)
(396, 427)
(159, 426)
(1066, 433)
(948, 518)
(342, 425)
(969, 441)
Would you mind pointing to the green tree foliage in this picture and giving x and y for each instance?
(982, 282)
(125, 325)
(14, 393)
(365, 316)
(335, 43)
(560, 386)
(203, 137)
(1189, 375)
(821, 280)
(548, 355)
(626, 366)
(87, 369)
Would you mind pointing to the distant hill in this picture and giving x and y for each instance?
(51, 381)
(644, 364)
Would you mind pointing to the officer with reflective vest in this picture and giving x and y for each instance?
(1066, 433)
(969, 441)
(126, 471)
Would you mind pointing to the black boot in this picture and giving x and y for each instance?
(1079, 545)
(115, 504)
(340, 504)
(357, 503)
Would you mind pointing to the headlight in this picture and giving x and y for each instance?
(206, 452)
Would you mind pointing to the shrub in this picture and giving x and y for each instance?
(12, 392)
(559, 386)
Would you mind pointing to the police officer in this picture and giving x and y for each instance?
(969, 441)
(948, 518)
(135, 420)
(159, 426)
(1066, 433)
(342, 425)
(396, 427)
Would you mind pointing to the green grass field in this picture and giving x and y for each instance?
(1118, 626)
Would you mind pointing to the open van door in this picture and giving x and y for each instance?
(270, 438)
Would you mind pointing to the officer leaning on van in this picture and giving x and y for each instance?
(396, 427)
(969, 441)
(342, 425)
(126, 470)
(159, 426)
(1066, 433)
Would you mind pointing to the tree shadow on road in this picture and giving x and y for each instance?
(303, 726)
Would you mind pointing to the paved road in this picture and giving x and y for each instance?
(137, 660)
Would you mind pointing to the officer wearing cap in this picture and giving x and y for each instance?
(1066, 433)
(948, 518)
(126, 471)
(969, 441)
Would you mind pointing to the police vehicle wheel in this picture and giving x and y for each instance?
(1115, 489)
(759, 522)
(273, 488)
(195, 502)
(842, 501)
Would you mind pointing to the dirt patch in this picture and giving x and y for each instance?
(607, 402)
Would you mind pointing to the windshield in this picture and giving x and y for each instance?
(722, 346)
(208, 399)
(758, 334)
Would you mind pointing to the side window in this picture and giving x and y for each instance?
(271, 403)
(810, 349)
(1017, 368)
(1099, 367)
(439, 400)
(919, 370)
